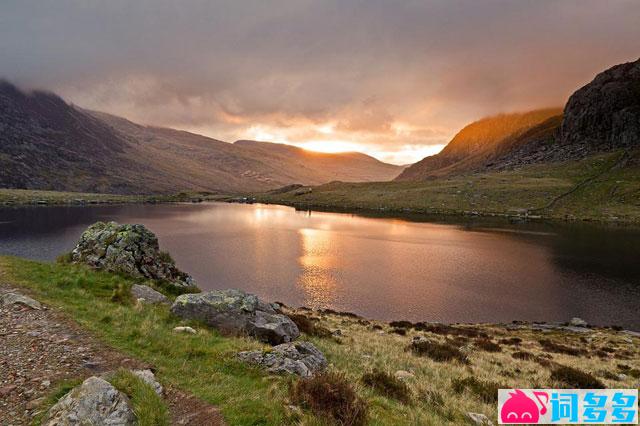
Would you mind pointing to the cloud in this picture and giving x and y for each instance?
(379, 73)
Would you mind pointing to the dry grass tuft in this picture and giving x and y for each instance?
(575, 379)
(486, 391)
(387, 385)
(551, 346)
(523, 355)
(487, 345)
(331, 396)
(308, 326)
(440, 352)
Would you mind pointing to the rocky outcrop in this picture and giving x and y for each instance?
(236, 312)
(94, 402)
(605, 114)
(129, 249)
(19, 299)
(300, 358)
(146, 294)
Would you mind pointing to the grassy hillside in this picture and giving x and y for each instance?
(478, 143)
(457, 370)
(602, 187)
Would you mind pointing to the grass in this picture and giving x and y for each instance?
(437, 351)
(574, 378)
(205, 364)
(613, 194)
(148, 406)
(485, 390)
(39, 197)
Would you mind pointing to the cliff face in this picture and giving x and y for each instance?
(605, 114)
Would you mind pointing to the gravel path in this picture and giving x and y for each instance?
(39, 348)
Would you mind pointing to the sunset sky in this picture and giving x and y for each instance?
(395, 79)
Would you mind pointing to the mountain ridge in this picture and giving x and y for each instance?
(49, 144)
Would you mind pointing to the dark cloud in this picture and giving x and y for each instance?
(384, 74)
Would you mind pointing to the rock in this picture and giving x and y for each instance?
(605, 114)
(299, 358)
(577, 322)
(146, 294)
(185, 329)
(6, 390)
(149, 378)
(129, 249)
(94, 402)
(19, 299)
(479, 419)
(45, 384)
(236, 312)
(403, 375)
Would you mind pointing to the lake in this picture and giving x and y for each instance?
(382, 268)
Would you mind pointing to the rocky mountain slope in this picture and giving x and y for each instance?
(480, 142)
(602, 116)
(46, 143)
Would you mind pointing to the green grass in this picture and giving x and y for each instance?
(148, 406)
(614, 195)
(204, 364)
(38, 197)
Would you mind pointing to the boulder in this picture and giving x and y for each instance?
(19, 299)
(149, 378)
(146, 294)
(605, 114)
(94, 402)
(184, 329)
(578, 322)
(236, 312)
(479, 419)
(299, 358)
(129, 249)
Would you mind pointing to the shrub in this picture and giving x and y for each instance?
(633, 372)
(551, 346)
(400, 331)
(165, 257)
(445, 330)
(308, 326)
(510, 341)
(437, 351)
(488, 345)
(65, 258)
(574, 378)
(486, 391)
(331, 396)
(401, 324)
(387, 385)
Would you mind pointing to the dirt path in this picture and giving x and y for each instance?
(39, 348)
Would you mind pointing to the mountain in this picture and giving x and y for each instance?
(602, 116)
(46, 143)
(482, 141)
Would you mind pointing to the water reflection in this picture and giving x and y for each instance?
(387, 268)
(318, 264)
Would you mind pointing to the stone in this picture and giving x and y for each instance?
(403, 375)
(149, 378)
(605, 113)
(129, 249)
(146, 294)
(184, 329)
(94, 402)
(19, 299)
(479, 419)
(300, 358)
(577, 322)
(236, 312)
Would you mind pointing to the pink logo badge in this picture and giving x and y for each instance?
(519, 408)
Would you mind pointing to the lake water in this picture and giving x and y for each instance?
(381, 268)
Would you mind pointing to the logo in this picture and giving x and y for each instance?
(568, 406)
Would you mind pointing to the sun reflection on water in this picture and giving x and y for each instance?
(318, 268)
